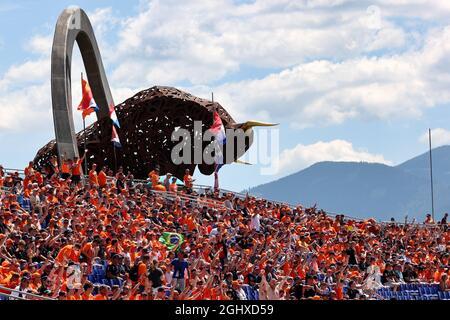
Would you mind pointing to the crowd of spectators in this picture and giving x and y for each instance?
(57, 228)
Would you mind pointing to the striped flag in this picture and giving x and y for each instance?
(113, 116)
(115, 138)
(218, 131)
(87, 104)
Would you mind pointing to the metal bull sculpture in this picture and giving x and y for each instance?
(147, 119)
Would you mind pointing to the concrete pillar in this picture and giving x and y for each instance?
(74, 26)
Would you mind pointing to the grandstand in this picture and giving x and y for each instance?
(74, 241)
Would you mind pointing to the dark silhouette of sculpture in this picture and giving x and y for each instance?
(147, 121)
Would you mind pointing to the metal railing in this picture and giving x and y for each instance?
(192, 199)
(23, 293)
(204, 189)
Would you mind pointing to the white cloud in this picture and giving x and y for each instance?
(302, 156)
(26, 109)
(324, 50)
(439, 137)
(40, 44)
(324, 92)
(201, 42)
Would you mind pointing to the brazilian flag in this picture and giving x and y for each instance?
(171, 240)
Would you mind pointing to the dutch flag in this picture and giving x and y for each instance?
(218, 131)
(113, 116)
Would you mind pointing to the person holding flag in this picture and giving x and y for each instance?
(218, 131)
(173, 241)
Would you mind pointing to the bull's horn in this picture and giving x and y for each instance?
(250, 124)
(242, 162)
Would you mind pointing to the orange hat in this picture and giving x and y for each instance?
(6, 263)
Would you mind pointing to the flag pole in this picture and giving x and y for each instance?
(115, 159)
(216, 173)
(85, 148)
(84, 135)
(431, 175)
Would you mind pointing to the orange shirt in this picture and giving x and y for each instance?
(187, 180)
(339, 293)
(437, 276)
(87, 250)
(142, 270)
(102, 179)
(65, 167)
(67, 252)
(29, 171)
(76, 170)
(39, 178)
(159, 187)
(100, 296)
(93, 177)
(154, 177)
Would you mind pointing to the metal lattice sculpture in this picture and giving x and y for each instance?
(147, 121)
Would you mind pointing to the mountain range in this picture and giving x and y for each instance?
(361, 189)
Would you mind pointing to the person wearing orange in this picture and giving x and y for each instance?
(93, 179)
(39, 178)
(11, 281)
(142, 271)
(29, 170)
(102, 178)
(102, 293)
(154, 177)
(76, 168)
(188, 181)
(87, 291)
(66, 168)
(29, 174)
(159, 187)
(68, 253)
(89, 251)
(173, 185)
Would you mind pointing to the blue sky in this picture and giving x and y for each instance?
(347, 80)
